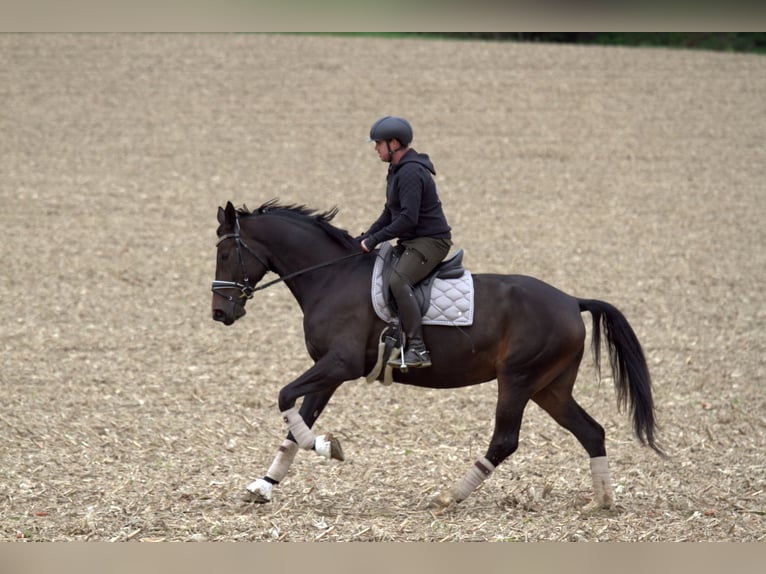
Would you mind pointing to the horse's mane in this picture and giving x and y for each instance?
(320, 219)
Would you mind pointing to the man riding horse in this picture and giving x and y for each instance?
(414, 216)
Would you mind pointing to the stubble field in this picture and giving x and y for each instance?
(127, 414)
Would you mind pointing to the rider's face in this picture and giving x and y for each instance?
(382, 148)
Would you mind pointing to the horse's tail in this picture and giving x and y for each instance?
(630, 372)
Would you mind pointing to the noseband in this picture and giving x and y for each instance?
(247, 290)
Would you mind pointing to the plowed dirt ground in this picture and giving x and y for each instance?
(634, 176)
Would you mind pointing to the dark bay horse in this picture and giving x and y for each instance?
(526, 334)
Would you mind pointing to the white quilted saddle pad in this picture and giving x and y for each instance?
(451, 299)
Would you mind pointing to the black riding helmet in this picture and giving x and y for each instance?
(390, 127)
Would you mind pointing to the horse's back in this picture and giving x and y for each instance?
(521, 324)
(533, 310)
(524, 293)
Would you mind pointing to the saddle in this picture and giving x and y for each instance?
(445, 296)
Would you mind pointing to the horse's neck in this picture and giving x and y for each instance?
(294, 247)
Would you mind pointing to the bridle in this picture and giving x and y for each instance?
(246, 290)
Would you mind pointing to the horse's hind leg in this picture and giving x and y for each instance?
(556, 399)
(512, 399)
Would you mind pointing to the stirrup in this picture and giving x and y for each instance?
(411, 359)
(397, 360)
(417, 359)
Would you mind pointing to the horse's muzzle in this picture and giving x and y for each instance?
(228, 318)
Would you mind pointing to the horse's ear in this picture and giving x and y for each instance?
(231, 213)
(227, 216)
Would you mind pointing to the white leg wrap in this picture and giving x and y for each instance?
(282, 461)
(299, 428)
(602, 482)
(261, 489)
(322, 446)
(477, 474)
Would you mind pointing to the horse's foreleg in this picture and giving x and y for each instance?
(260, 490)
(325, 445)
(317, 386)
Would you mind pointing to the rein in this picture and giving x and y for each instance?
(246, 289)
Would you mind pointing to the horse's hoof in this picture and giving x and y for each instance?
(336, 451)
(328, 446)
(258, 491)
(442, 501)
(595, 506)
(253, 498)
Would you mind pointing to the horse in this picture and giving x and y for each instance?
(526, 334)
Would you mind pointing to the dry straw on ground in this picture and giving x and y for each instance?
(635, 176)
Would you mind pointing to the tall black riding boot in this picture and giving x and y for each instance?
(415, 355)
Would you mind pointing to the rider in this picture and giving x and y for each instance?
(412, 214)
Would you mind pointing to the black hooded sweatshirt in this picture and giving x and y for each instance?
(413, 208)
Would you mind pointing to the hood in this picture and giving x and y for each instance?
(414, 157)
